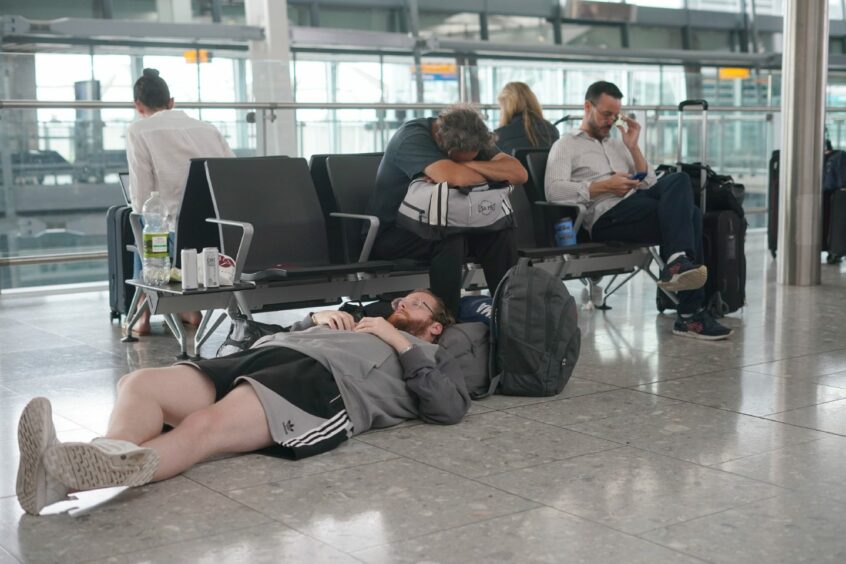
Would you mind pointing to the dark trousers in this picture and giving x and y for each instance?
(495, 251)
(664, 214)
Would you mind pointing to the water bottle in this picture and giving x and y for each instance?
(564, 234)
(155, 259)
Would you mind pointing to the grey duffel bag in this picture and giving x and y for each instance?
(433, 211)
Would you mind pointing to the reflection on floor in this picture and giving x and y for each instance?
(662, 449)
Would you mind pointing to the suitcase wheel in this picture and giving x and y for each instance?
(716, 306)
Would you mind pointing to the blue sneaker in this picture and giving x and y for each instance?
(681, 274)
(701, 325)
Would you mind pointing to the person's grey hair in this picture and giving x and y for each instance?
(462, 128)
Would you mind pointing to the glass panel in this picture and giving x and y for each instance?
(646, 37)
(462, 25)
(519, 29)
(605, 36)
(368, 19)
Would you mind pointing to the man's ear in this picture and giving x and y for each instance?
(587, 107)
(436, 328)
(170, 104)
(140, 108)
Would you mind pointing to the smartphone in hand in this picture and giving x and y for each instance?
(638, 176)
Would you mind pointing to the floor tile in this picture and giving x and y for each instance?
(264, 543)
(785, 529)
(829, 417)
(699, 434)
(384, 502)
(142, 518)
(486, 444)
(631, 490)
(240, 472)
(593, 407)
(634, 368)
(541, 535)
(575, 387)
(746, 392)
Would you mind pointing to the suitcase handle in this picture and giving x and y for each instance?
(701, 103)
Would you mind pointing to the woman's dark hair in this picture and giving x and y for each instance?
(151, 90)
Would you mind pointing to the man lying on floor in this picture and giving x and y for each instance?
(302, 393)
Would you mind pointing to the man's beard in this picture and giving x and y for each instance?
(403, 323)
(597, 131)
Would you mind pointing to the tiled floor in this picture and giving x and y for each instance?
(661, 449)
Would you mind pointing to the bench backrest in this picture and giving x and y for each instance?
(353, 179)
(276, 195)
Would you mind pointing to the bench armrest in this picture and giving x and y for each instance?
(372, 230)
(137, 233)
(244, 245)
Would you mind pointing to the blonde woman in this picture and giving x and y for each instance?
(521, 123)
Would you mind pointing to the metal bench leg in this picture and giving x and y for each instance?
(136, 312)
(203, 336)
(179, 332)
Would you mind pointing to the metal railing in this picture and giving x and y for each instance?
(659, 120)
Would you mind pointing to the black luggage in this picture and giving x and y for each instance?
(723, 234)
(118, 236)
(772, 203)
(829, 160)
(837, 226)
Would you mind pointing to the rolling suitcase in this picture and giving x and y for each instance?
(121, 261)
(772, 203)
(724, 240)
(837, 226)
(724, 234)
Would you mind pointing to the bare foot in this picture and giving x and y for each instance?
(192, 318)
(142, 326)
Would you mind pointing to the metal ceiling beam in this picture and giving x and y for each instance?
(116, 29)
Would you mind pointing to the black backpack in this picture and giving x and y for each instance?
(535, 336)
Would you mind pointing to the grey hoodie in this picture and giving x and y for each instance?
(380, 387)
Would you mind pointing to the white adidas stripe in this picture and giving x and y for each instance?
(330, 428)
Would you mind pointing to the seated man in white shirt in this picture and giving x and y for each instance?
(624, 202)
(159, 149)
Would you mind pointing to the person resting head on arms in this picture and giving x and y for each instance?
(301, 393)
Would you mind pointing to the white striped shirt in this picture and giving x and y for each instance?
(577, 160)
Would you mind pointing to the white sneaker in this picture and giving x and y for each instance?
(36, 489)
(101, 463)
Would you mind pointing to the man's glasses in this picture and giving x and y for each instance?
(411, 303)
(608, 116)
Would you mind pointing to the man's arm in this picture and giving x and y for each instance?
(440, 388)
(500, 167)
(560, 187)
(453, 173)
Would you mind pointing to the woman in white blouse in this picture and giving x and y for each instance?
(159, 149)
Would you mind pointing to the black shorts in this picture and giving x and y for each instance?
(304, 409)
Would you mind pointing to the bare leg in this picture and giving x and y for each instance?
(150, 397)
(234, 424)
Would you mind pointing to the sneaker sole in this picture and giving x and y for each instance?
(83, 466)
(689, 280)
(35, 433)
(700, 336)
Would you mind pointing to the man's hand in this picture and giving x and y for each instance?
(631, 132)
(339, 320)
(385, 331)
(619, 184)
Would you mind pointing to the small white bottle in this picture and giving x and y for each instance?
(189, 269)
(211, 277)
